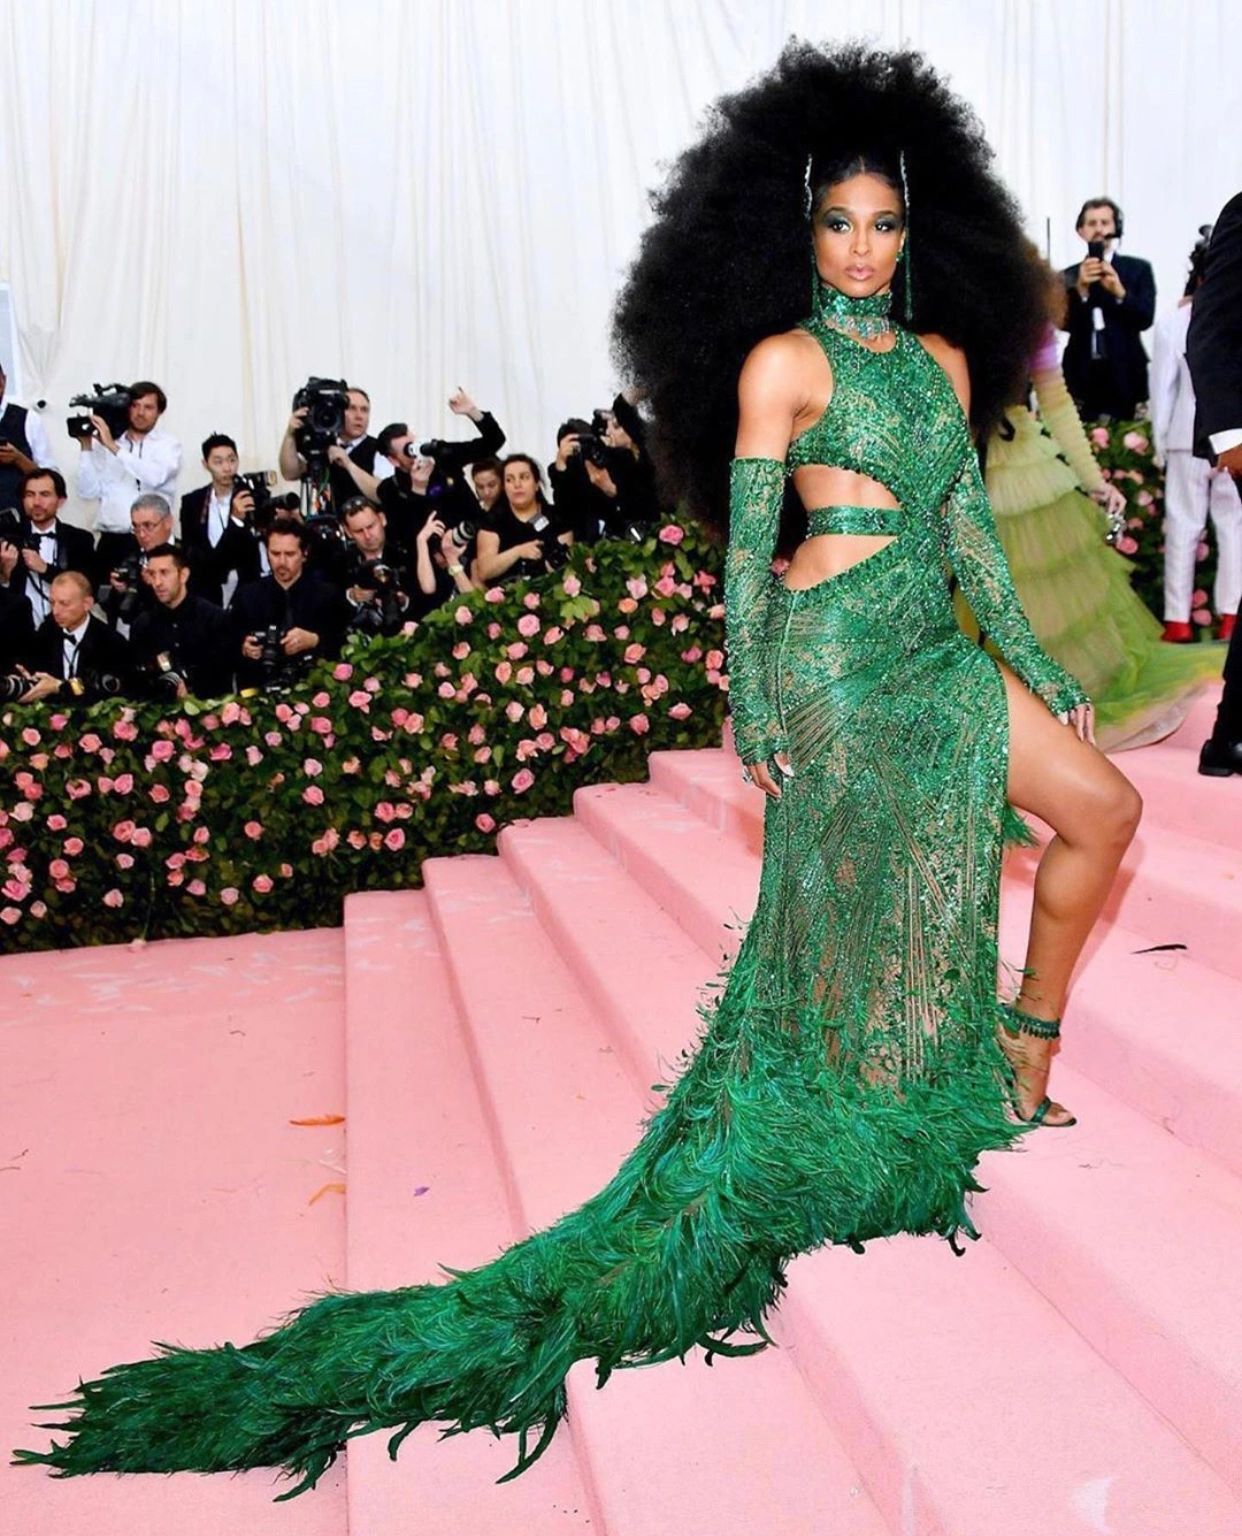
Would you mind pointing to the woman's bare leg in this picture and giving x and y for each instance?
(1094, 810)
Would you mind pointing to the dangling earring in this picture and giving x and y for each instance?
(808, 202)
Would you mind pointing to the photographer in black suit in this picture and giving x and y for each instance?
(284, 622)
(74, 655)
(40, 545)
(183, 644)
(1214, 356)
(1112, 301)
(215, 533)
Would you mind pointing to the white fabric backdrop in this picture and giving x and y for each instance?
(226, 195)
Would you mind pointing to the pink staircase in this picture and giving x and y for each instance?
(491, 1040)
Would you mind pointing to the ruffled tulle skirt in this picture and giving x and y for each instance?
(1077, 594)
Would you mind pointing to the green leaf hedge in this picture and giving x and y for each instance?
(130, 821)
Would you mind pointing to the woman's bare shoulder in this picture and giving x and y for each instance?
(777, 365)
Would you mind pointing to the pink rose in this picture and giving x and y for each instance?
(522, 781)
(262, 884)
(360, 699)
(141, 837)
(229, 895)
(202, 835)
(231, 713)
(446, 690)
(253, 755)
(528, 625)
(636, 586)
(531, 600)
(571, 584)
(494, 595)
(273, 738)
(463, 615)
(635, 652)
(1126, 545)
(321, 725)
(484, 822)
(73, 846)
(626, 605)
(1099, 436)
(491, 786)
(639, 724)
(514, 711)
(1199, 616)
(1135, 442)
(58, 869)
(394, 839)
(671, 534)
(538, 717)
(91, 743)
(56, 822)
(342, 672)
(312, 768)
(113, 898)
(385, 811)
(313, 795)
(125, 861)
(123, 831)
(552, 634)
(680, 711)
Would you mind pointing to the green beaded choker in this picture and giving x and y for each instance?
(866, 317)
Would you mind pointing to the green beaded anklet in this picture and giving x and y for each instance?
(1028, 1024)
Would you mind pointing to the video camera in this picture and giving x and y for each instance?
(111, 401)
(324, 401)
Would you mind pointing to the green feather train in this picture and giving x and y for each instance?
(847, 1081)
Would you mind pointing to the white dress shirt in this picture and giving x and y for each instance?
(38, 584)
(116, 480)
(71, 640)
(36, 435)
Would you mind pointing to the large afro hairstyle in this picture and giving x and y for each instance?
(727, 260)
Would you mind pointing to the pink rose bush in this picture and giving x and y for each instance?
(121, 822)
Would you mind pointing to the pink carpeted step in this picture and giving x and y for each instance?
(679, 1448)
(1194, 729)
(930, 1368)
(1156, 1030)
(425, 1189)
(1182, 800)
(1137, 1240)
(1191, 1193)
(1172, 887)
(153, 1187)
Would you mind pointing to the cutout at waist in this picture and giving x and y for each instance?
(873, 520)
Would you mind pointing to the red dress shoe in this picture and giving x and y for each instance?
(1224, 630)
(1176, 632)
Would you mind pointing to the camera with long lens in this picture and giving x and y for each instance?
(324, 401)
(555, 554)
(111, 401)
(276, 672)
(592, 449)
(14, 529)
(123, 606)
(384, 612)
(167, 676)
(266, 506)
(13, 685)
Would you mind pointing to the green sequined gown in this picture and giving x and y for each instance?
(848, 1077)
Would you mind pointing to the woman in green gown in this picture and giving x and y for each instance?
(857, 1063)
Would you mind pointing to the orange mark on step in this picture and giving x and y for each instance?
(320, 1120)
(326, 1189)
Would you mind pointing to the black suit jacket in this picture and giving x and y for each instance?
(75, 551)
(198, 640)
(16, 628)
(238, 549)
(102, 655)
(310, 603)
(1121, 383)
(1214, 341)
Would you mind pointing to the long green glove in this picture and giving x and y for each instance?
(756, 494)
(974, 550)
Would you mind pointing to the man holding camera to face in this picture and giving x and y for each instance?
(1112, 301)
(126, 592)
(352, 465)
(113, 469)
(182, 644)
(429, 477)
(284, 622)
(37, 545)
